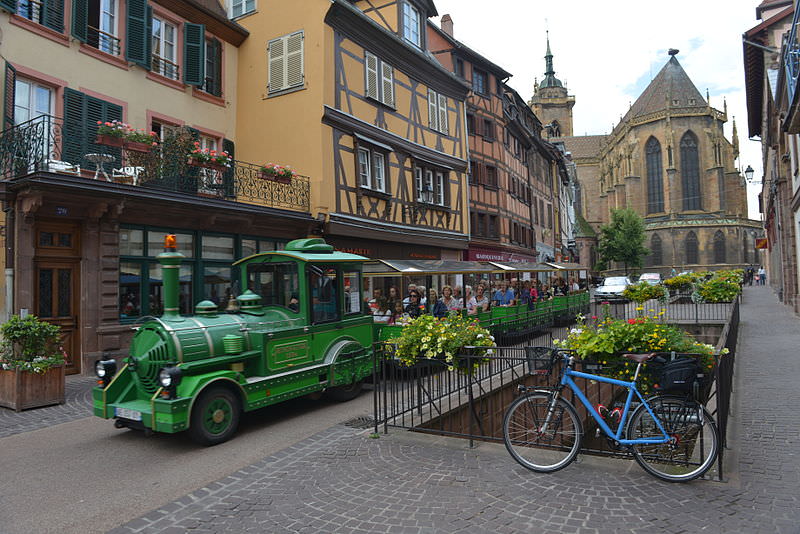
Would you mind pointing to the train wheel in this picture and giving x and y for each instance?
(215, 416)
(345, 393)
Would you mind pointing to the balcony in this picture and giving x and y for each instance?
(791, 62)
(38, 146)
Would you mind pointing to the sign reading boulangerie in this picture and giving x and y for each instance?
(488, 254)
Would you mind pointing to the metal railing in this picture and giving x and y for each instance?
(103, 41)
(678, 309)
(791, 58)
(165, 67)
(38, 146)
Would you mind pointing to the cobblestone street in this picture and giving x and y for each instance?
(341, 481)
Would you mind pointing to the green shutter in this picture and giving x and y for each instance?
(100, 110)
(215, 48)
(9, 5)
(53, 15)
(138, 39)
(80, 20)
(228, 182)
(148, 63)
(73, 142)
(194, 45)
(8, 96)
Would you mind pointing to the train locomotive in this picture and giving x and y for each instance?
(297, 329)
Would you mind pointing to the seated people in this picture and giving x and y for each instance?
(504, 296)
(382, 313)
(451, 301)
(414, 308)
(479, 301)
(435, 306)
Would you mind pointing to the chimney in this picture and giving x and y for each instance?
(447, 24)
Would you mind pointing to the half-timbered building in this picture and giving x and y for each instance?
(347, 93)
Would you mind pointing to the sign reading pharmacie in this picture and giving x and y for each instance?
(502, 256)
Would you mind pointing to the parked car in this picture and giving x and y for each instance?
(651, 278)
(612, 288)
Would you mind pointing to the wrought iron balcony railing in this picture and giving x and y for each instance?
(791, 58)
(38, 146)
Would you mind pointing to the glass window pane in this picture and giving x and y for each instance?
(217, 248)
(324, 298)
(45, 308)
(217, 285)
(64, 292)
(248, 247)
(155, 243)
(42, 101)
(131, 242)
(352, 292)
(155, 294)
(65, 240)
(264, 246)
(46, 239)
(130, 290)
(276, 283)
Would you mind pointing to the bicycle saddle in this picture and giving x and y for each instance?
(640, 358)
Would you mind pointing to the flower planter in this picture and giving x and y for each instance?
(20, 390)
(137, 147)
(206, 165)
(109, 140)
(276, 178)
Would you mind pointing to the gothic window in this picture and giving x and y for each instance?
(719, 247)
(655, 182)
(690, 172)
(690, 244)
(656, 257)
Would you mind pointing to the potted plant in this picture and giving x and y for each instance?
(719, 288)
(642, 292)
(277, 173)
(210, 159)
(140, 140)
(31, 364)
(111, 133)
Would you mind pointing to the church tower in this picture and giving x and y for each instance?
(550, 101)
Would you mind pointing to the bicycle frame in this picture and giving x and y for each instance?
(566, 380)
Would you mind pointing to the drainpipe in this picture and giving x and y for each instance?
(170, 261)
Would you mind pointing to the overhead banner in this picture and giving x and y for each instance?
(762, 243)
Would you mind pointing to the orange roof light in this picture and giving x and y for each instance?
(170, 242)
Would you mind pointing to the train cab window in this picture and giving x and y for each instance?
(324, 294)
(276, 283)
(352, 292)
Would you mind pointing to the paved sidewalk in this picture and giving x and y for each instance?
(77, 404)
(341, 481)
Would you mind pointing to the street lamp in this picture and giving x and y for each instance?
(749, 174)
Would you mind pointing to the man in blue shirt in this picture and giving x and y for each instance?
(504, 296)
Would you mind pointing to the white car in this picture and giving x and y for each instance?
(651, 278)
(612, 288)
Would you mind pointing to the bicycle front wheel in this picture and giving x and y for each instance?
(693, 444)
(538, 446)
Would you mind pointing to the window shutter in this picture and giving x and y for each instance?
(371, 64)
(53, 15)
(276, 53)
(8, 96)
(433, 112)
(228, 183)
(216, 76)
(194, 47)
(80, 19)
(73, 140)
(99, 110)
(9, 5)
(443, 114)
(138, 40)
(388, 84)
(294, 60)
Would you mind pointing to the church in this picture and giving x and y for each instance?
(669, 160)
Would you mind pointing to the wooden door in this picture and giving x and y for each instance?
(57, 290)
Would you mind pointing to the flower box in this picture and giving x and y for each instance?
(281, 179)
(109, 140)
(20, 390)
(194, 162)
(137, 147)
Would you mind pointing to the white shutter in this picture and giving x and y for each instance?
(276, 53)
(294, 60)
(388, 84)
(418, 182)
(371, 83)
(443, 114)
(433, 120)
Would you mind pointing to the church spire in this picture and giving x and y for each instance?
(550, 79)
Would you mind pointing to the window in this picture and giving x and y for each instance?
(352, 292)
(719, 247)
(690, 172)
(470, 124)
(324, 294)
(655, 184)
(437, 112)
(242, 7)
(491, 176)
(656, 257)
(493, 229)
(479, 82)
(286, 70)
(431, 185)
(372, 169)
(212, 68)
(480, 229)
(690, 244)
(475, 172)
(165, 59)
(458, 65)
(101, 29)
(535, 212)
(411, 24)
(31, 100)
(379, 83)
(488, 130)
(47, 13)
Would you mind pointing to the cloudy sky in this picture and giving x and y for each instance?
(608, 52)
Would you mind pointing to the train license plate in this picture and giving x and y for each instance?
(125, 413)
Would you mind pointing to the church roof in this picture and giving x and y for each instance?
(670, 84)
(582, 146)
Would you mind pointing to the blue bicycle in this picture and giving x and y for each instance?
(673, 438)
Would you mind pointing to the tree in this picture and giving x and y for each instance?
(622, 239)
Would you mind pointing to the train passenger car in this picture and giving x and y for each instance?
(298, 329)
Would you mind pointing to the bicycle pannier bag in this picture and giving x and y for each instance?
(679, 375)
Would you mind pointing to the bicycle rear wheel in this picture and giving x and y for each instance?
(694, 444)
(542, 449)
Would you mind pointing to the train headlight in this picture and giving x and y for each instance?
(105, 371)
(169, 377)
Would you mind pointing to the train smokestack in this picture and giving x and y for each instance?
(170, 261)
